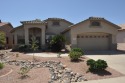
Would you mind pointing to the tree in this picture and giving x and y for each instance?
(2, 39)
(34, 45)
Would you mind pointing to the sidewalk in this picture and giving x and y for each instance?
(110, 80)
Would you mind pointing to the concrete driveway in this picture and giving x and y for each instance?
(116, 62)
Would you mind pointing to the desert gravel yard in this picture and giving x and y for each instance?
(35, 76)
(42, 75)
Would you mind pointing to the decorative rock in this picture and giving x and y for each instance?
(38, 66)
(66, 80)
(85, 79)
(78, 75)
(17, 64)
(73, 80)
(54, 77)
(68, 70)
(59, 72)
(81, 79)
(64, 66)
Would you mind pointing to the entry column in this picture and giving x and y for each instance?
(26, 36)
(74, 40)
(43, 38)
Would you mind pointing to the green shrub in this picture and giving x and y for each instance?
(74, 56)
(56, 43)
(102, 64)
(78, 50)
(24, 48)
(1, 65)
(90, 62)
(97, 65)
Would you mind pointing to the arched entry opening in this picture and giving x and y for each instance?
(35, 32)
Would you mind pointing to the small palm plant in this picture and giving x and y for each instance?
(34, 45)
(1, 65)
(23, 72)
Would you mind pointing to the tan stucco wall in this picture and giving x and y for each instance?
(18, 32)
(56, 29)
(67, 35)
(85, 27)
(121, 36)
(7, 29)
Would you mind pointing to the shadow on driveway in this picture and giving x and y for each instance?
(105, 52)
(102, 73)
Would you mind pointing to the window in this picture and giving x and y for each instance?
(94, 37)
(107, 36)
(49, 38)
(78, 36)
(95, 23)
(86, 36)
(20, 39)
(99, 36)
(90, 36)
(56, 23)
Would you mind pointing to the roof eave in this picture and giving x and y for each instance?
(16, 28)
(32, 23)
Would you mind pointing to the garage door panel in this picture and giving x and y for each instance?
(89, 43)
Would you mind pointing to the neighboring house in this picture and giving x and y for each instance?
(42, 30)
(121, 34)
(6, 27)
(93, 33)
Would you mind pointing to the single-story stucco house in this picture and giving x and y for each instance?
(94, 33)
(6, 27)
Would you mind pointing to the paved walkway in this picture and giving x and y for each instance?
(116, 62)
(110, 80)
(47, 54)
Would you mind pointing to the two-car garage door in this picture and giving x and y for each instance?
(93, 41)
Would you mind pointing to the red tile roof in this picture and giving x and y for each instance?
(122, 26)
(3, 23)
(38, 21)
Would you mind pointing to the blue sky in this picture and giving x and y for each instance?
(75, 11)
